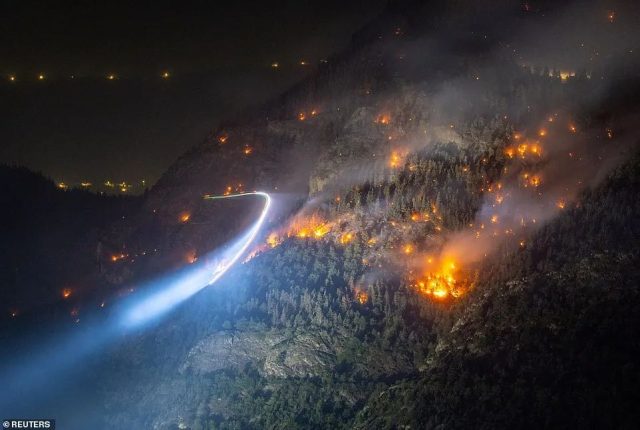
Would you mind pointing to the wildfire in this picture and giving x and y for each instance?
(191, 257)
(560, 204)
(383, 119)
(66, 293)
(523, 149)
(440, 282)
(564, 75)
(611, 16)
(302, 116)
(247, 150)
(362, 297)
(185, 217)
(609, 133)
(273, 240)
(222, 139)
(572, 128)
(306, 227)
(530, 180)
(396, 159)
(346, 238)
(117, 257)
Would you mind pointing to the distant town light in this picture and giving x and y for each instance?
(275, 65)
(12, 78)
(166, 75)
(41, 77)
(111, 77)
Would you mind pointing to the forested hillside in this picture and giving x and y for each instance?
(456, 247)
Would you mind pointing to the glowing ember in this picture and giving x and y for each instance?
(509, 152)
(362, 297)
(314, 227)
(273, 240)
(530, 180)
(396, 159)
(523, 149)
(346, 238)
(564, 75)
(191, 257)
(383, 119)
(116, 257)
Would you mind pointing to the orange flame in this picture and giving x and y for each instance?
(362, 297)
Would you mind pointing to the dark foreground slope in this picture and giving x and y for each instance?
(51, 240)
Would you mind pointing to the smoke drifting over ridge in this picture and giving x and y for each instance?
(549, 145)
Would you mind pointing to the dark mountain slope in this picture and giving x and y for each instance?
(550, 336)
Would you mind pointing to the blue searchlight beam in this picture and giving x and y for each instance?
(160, 302)
(48, 364)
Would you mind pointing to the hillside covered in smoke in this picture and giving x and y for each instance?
(453, 242)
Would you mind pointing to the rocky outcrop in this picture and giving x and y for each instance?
(276, 353)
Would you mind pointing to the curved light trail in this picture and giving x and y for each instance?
(202, 277)
(48, 364)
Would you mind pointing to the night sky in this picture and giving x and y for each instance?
(76, 124)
